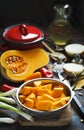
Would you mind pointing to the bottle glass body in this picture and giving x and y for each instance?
(60, 29)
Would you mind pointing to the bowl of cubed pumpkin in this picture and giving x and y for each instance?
(44, 97)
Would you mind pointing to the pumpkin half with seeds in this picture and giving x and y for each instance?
(16, 65)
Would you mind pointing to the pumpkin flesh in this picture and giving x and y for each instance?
(16, 65)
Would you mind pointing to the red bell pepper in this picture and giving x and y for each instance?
(5, 87)
(46, 73)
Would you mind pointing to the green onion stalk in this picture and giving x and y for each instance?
(7, 102)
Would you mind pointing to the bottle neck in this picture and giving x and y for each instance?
(61, 12)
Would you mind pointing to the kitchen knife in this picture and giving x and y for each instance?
(76, 102)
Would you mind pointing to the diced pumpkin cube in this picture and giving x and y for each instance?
(47, 97)
(42, 91)
(37, 83)
(22, 98)
(56, 93)
(31, 96)
(66, 98)
(47, 86)
(63, 102)
(57, 99)
(33, 76)
(29, 103)
(37, 100)
(59, 104)
(44, 82)
(26, 90)
(45, 105)
(35, 90)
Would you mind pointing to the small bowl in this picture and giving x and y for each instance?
(39, 113)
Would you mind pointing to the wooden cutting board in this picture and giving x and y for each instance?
(63, 120)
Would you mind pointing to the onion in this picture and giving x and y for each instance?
(73, 49)
(74, 68)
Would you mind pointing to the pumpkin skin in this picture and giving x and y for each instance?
(16, 65)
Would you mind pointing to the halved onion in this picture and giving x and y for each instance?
(73, 49)
(74, 68)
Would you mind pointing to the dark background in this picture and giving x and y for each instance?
(39, 12)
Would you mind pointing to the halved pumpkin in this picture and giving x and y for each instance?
(16, 65)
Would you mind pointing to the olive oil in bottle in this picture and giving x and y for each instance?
(60, 29)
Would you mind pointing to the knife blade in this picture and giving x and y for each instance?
(78, 105)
